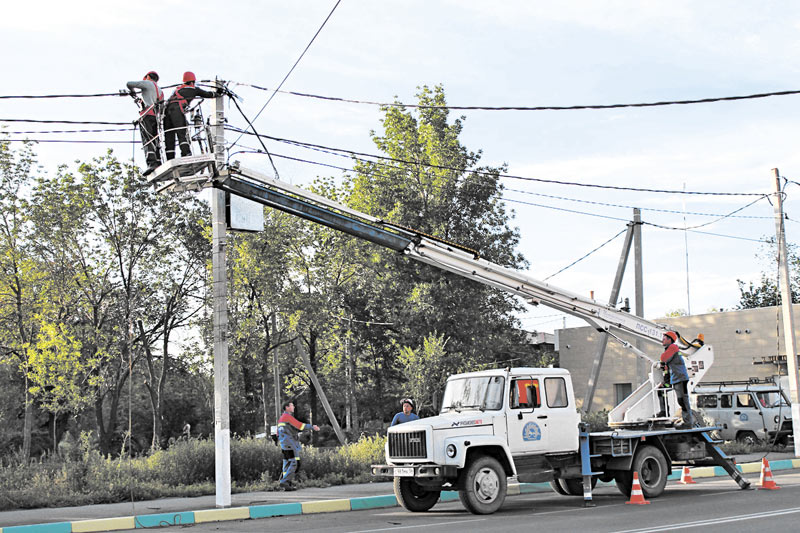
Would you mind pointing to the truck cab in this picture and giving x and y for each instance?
(506, 421)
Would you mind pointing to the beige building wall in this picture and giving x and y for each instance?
(739, 339)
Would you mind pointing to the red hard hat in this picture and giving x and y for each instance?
(153, 75)
(672, 335)
(188, 76)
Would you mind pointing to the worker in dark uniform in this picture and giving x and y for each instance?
(149, 99)
(175, 123)
(288, 427)
(679, 378)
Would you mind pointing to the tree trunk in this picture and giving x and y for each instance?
(27, 425)
(312, 394)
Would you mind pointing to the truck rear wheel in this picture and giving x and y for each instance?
(570, 487)
(485, 486)
(651, 465)
(414, 497)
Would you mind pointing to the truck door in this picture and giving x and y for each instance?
(526, 420)
(725, 417)
(562, 418)
(746, 416)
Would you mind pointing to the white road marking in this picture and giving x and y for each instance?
(420, 525)
(713, 521)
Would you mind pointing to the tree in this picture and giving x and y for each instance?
(23, 283)
(765, 293)
(434, 185)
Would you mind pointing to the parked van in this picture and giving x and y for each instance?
(746, 411)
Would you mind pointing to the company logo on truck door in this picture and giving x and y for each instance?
(531, 432)
(466, 423)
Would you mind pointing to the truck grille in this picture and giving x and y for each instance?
(409, 445)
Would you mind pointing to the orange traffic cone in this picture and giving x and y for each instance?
(766, 481)
(686, 477)
(637, 497)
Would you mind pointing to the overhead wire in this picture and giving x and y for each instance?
(586, 255)
(38, 121)
(293, 67)
(505, 175)
(345, 169)
(530, 108)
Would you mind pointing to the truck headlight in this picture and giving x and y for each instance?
(451, 450)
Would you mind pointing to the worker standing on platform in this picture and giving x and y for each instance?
(175, 123)
(151, 97)
(679, 377)
(288, 426)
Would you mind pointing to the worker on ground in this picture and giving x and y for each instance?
(151, 98)
(405, 415)
(288, 427)
(679, 377)
(175, 123)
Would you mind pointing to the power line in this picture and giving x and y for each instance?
(345, 169)
(37, 121)
(653, 209)
(496, 174)
(532, 108)
(65, 141)
(293, 67)
(64, 131)
(38, 96)
(585, 255)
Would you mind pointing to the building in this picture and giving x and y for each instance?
(747, 343)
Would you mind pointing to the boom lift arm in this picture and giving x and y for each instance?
(641, 406)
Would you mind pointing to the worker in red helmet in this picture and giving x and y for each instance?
(679, 377)
(175, 124)
(149, 99)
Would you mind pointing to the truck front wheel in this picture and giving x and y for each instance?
(414, 497)
(485, 486)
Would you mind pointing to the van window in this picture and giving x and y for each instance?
(745, 400)
(707, 400)
(725, 401)
(555, 390)
(525, 394)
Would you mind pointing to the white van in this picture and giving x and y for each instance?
(747, 411)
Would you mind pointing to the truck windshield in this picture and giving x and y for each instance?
(484, 393)
(772, 399)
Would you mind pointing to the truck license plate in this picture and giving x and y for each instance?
(404, 472)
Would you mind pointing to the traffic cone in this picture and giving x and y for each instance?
(637, 497)
(686, 477)
(766, 481)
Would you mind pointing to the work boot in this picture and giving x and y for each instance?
(286, 487)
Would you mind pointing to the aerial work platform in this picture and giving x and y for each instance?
(190, 173)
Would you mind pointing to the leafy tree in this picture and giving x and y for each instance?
(766, 293)
(435, 185)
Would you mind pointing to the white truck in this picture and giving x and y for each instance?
(522, 422)
(509, 422)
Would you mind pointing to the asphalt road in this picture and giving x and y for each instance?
(712, 505)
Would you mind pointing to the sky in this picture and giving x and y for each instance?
(510, 53)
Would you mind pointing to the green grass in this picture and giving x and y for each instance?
(184, 469)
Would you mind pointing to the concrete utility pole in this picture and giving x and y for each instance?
(788, 317)
(322, 396)
(276, 372)
(612, 300)
(641, 368)
(222, 424)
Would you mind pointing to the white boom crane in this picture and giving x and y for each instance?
(642, 406)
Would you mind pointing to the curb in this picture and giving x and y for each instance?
(325, 506)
